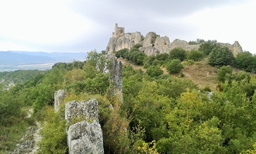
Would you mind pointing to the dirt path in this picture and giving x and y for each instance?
(37, 138)
(29, 143)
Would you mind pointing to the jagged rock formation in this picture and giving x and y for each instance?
(235, 48)
(153, 44)
(58, 99)
(84, 136)
(87, 110)
(120, 40)
(116, 78)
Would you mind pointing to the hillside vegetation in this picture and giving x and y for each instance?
(168, 106)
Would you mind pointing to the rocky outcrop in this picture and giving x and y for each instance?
(153, 44)
(84, 136)
(116, 78)
(183, 44)
(125, 41)
(58, 99)
(84, 110)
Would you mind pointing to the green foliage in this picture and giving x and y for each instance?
(160, 113)
(54, 139)
(177, 53)
(207, 47)
(133, 55)
(121, 53)
(174, 66)
(224, 73)
(154, 71)
(195, 55)
(221, 56)
(245, 61)
(19, 76)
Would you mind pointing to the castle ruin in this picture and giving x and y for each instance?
(118, 31)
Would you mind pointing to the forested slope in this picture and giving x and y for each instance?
(160, 113)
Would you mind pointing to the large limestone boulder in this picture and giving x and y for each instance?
(236, 48)
(87, 110)
(85, 137)
(162, 44)
(183, 44)
(59, 97)
(127, 40)
(149, 40)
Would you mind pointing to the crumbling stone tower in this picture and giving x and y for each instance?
(118, 31)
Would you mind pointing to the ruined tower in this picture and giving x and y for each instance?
(118, 31)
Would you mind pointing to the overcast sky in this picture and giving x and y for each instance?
(85, 25)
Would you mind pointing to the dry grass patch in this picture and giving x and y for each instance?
(201, 74)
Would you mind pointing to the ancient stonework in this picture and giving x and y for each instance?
(58, 99)
(154, 44)
(84, 136)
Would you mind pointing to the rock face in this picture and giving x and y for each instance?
(58, 99)
(183, 44)
(84, 136)
(87, 110)
(153, 44)
(116, 78)
(120, 40)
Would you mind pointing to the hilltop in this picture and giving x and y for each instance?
(153, 44)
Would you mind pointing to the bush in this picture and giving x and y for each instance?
(223, 72)
(245, 61)
(154, 71)
(195, 55)
(177, 53)
(207, 47)
(174, 66)
(221, 56)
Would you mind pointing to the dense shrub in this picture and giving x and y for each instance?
(221, 56)
(207, 47)
(195, 55)
(223, 73)
(245, 61)
(154, 71)
(177, 53)
(174, 66)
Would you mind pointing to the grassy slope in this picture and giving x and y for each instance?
(200, 73)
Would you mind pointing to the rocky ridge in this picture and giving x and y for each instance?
(154, 44)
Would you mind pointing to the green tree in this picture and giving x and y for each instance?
(195, 55)
(154, 71)
(174, 66)
(177, 53)
(207, 47)
(221, 56)
(223, 73)
(245, 61)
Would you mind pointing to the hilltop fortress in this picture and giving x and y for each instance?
(154, 44)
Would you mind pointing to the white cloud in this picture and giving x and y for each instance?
(41, 22)
(227, 24)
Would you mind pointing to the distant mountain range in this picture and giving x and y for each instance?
(24, 60)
